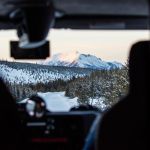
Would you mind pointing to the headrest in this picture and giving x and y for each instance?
(139, 67)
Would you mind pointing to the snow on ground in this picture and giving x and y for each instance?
(58, 102)
(99, 102)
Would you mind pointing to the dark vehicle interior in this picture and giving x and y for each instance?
(30, 125)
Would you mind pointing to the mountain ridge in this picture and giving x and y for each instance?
(75, 59)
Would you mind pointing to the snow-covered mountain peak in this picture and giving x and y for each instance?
(75, 59)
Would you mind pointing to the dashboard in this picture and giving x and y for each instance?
(58, 131)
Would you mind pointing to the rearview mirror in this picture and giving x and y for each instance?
(41, 52)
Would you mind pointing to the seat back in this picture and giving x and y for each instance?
(9, 120)
(124, 127)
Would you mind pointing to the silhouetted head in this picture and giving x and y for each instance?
(139, 69)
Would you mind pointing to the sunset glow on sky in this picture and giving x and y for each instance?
(107, 45)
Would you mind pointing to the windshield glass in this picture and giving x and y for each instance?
(85, 67)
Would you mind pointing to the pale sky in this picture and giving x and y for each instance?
(107, 45)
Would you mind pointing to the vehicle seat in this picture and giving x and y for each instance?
(124, 127)
(9, 121)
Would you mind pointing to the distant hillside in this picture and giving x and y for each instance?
(24, 73)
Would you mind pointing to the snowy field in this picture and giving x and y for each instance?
(58, 102)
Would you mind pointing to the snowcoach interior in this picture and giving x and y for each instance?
(30, 124)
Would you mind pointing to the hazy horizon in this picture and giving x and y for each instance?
(107, 45)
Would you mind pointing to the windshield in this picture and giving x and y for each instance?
(85, 67)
